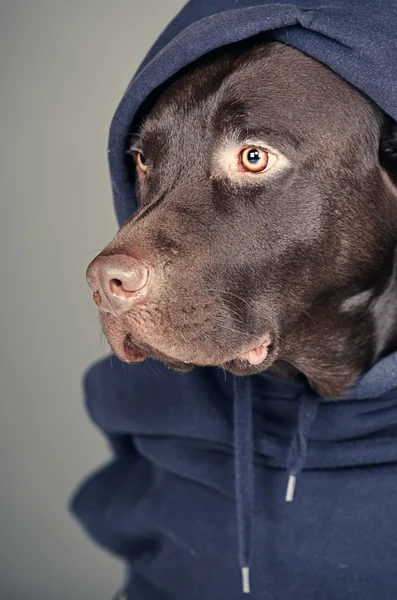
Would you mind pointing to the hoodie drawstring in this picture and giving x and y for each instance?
(244, 464)
(244, 473)
(298, 448)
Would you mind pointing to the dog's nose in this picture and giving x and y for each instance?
(118, 282)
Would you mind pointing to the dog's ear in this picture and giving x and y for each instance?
(388, 148)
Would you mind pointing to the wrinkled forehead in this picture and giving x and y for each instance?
(272, 86)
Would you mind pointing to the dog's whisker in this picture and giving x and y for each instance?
(227, 309)
(231, 293)
(235, 331)
(103, 344)
(248, 329)
(182, 335)
(158, 370)
(211, 338)
(150, 367)
(310, 317)
(239, 320)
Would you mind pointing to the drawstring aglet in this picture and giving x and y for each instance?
(245, 574)
(289, 496)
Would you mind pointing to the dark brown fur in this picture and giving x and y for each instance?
(278, 255)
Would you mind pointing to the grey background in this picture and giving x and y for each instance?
(64, 65)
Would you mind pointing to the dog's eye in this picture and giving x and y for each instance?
(141, 162)
(247, 162)
(256, 160)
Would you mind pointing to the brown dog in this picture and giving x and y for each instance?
(267, 226)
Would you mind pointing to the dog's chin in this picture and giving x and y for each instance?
(250, 362)
(250, 359)
(237, 366)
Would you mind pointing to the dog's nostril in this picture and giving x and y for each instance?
(128, 282)
(116, 286)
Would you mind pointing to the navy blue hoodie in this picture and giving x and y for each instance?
(223, 485)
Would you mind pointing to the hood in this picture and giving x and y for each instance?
(358, 41)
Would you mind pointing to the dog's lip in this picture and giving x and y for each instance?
(256, 354)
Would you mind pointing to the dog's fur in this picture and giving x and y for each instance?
(306, 253)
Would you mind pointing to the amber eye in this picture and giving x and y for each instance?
(141, 161)
(254, 159)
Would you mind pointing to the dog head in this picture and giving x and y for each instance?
(266, 226)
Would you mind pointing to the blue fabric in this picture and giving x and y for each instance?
(201, 461)
(166, 503)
